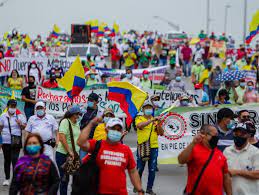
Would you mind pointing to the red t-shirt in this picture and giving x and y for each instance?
(212, 179)
(48, 84)
(113, 160)
(187, 53)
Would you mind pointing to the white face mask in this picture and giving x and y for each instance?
(11, 110)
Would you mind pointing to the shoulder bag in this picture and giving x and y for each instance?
(16, 141)
(71, 165)
(200, 175)
(144, 149)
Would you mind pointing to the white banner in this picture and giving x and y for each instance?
(184, 124)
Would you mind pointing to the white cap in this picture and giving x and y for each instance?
(114, 121)
(40, 103)
(147, 103)
(228, 62)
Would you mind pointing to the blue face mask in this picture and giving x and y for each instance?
(90, 104)
(178, 79)
(184, 103)
(114, 136)
(128, 76)
(92, 76)
(40, 112)
(33, 149)
(148, 112)
(250, 88)
(231, 125)
(242, 84)
(105, 119)
(145, 76)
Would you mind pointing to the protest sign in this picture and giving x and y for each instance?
(184, 123)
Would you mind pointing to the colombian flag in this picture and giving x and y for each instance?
(56, 32)
(27, 40)
(106, 28)
(94, 26)
(254, 28)
(101, 30)
(130, 97)
(74, 79)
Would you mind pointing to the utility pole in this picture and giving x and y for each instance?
(226, 18)
(208, 18)
(245, 17)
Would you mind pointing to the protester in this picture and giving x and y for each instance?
(204, 77)
(46, 126)
(251, 95)
(243, 162)
(214, 84)
(243, 116)
(112, 168)
(104, 78)
(198, 53)
(203, 98)
(225, 125)
(24, 52)
(148, 130)
(146, 82)
(34, 172)
(91, 79)
(230, 66)
(131, 78)
(230, 88)
(130, 58)
(99, 132)
(68, 124)
(177, 84)
(115, 56)
(28, 96)
(34, 70)
(239, 92)
(184, 101)
(51, 83)
(186, 57)
(12, 123)
(223, 97)
(15, 81)
(172, 71)
(197, 69)
(252, 130)
(202, 153)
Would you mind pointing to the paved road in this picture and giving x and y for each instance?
(170, 179)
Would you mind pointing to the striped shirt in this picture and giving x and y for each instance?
(225, 138)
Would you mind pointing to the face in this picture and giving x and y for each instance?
(213, 132)
(31, 80)
(33, 141)
(244, 116)
(14, 74)
(148, 110)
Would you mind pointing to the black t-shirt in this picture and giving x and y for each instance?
(29, 93)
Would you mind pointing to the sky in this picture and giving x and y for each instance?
(38, 16)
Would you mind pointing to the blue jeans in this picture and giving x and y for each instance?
(60, 160)
(187, 68)
(212, 95)
(206, 89)
(29, 111)
(162, 61)
(152, 164)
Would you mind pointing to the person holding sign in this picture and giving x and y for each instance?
(148, 131)
(207, 166)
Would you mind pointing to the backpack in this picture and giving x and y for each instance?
(86, 181)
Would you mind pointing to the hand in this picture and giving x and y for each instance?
(141, 193)
(198, 138)
(157, 118)
(97, 120)
(190, 98)
(71, 154)
(233, 172)
(19, 122)
(124, 133)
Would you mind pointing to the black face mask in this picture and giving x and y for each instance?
(214, 141)
(239, 141)
(31, 84)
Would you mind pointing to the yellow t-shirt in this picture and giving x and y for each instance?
(247, 67)
(100, 133)
(129, 59)
(15, 84)
(143, 134)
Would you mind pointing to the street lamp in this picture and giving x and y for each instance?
(245, 16)
(171, 24)
(208, 17)
(226, 17)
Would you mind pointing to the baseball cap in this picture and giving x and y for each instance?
(228, 62)
(147, 103)
(242, 127)
(185, 97)
(114, 121)
(145, 72)
(11, 102)
(40, 103)
(74, 109)
(108, 111)
(197, 86)
(93, 96)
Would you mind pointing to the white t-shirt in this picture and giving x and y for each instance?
(198, 54)
(46, 127)
(134, 81)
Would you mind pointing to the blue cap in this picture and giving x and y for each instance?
(74, 109)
